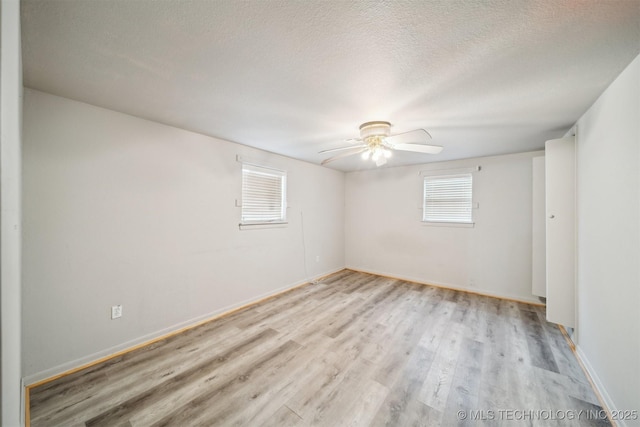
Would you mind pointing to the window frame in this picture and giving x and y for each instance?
(454, 221)
(256, 170)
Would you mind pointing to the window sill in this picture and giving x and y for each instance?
(262, 225)
(449, 224)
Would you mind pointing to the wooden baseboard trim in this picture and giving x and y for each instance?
(28, 388)
(452, 288)
(572, 346)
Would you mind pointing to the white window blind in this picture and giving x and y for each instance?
(263, 195)
(448, 198)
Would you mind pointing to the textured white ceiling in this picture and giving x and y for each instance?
(295, 77)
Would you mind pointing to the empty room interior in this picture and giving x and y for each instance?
(320, 213)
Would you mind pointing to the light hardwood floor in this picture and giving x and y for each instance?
(352, 350)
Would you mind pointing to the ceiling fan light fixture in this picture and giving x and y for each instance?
(366, 154)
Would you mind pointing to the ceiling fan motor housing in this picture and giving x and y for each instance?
(377, 128)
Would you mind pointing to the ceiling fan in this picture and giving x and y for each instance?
(377, 143)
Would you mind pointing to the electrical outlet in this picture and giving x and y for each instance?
(317, 258)
(116, 311)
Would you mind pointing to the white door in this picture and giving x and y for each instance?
(560, 230)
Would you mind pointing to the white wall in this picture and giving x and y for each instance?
(608, 212)
(10, 126)
(384, 232)
(119, 210)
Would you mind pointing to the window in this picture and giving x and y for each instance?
(263, 195)
(447, 198)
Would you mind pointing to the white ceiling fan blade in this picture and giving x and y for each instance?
(413, 136)
(356, 150)
(418, 148)
(341, 148)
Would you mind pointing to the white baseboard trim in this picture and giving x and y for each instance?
(23, 403)
(478, 291)
(88, 360)
(609, 406)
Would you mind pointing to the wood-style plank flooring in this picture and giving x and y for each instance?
(353, 350)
